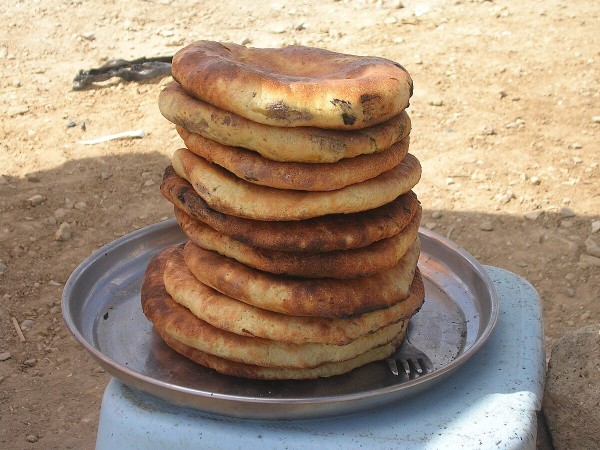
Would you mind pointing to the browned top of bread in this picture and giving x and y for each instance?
(294, 86)
(333, 232)
(300, 144)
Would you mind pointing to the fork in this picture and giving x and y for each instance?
(413, 361)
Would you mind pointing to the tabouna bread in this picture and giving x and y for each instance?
(180, 324)
(294, 86)
(302, 144)
(315, 297)
(354, 263)
(228, 367)
(229, 194)
(327, 233)
(257, 169)
(236, 317)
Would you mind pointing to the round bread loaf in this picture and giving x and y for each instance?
(314, 297)
(340, 264)
(237, 317)
(180, 324)
(320, 234)
(228, 367)
(294, 86)
(229, 194)
(257, 169)
(302, 144)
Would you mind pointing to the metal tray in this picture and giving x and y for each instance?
(101, 306)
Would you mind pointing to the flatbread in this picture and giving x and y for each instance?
(229, 194)
(294, 86)
(354, 263)
(303, 144)
(233, 368)
(237, 317)
(327, 233)
(257, 169)
(180, 324)
(322, 297)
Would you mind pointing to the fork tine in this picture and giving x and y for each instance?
(417, 365)
(392, 365)
(405, 366)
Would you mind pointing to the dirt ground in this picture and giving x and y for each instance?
(506, 123)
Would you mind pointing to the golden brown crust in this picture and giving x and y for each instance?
(353, 263)
(323, 297)
(257, 169)
(302, 144)
(294, 86)
(328, 233)
(180, 324)
(236, 317)
(228, 367)
(229, 194)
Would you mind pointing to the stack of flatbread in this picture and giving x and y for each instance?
(295, 192)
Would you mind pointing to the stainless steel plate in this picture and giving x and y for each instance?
(101, 306)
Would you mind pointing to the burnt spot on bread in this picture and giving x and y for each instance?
(371, 105)
(281, 111)
(347, 117)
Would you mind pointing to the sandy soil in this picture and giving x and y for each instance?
(505, 123)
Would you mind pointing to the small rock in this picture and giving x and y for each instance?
(535, 181)
(589, 261)
(5, 356)
(570, 292)
(30, 362)
(595, 226)
(431, 225)
(586, 315)
(390, 20)
(533, 215)
(566, 212)
(450, 181)
(54, 283)
(69, 203)
(592, 247)
(3, 180)
(278, 28)
(64, 232)
(575, 146)
(36, 200)
(32, 178)
(246, 41)
(106, 175)
(572, 390)
(436, 102)
(27, 324)
(502, 94)
(80, 206)
(60, 213)
(3, 267)
(488, 130)
(149, 183)
(486, 226)
(32, 438)
(436, 214)
(88, 36)
(596, 119)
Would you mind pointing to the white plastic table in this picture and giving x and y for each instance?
(489, 402)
